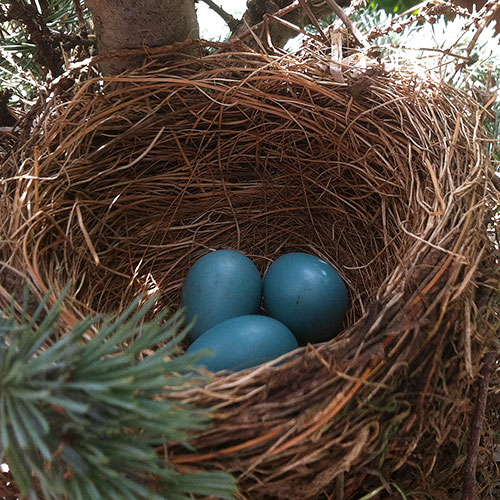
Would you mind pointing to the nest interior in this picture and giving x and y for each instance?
(126, 181)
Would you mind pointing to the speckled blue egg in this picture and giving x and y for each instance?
(221, 285)
(306, 294)
(244, 342)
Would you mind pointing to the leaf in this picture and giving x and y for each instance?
(29, 394)
(15, 423)
(68, 404)
(46, 359)
(38, 417)
(30, 425)
(19, 470)
(74, 459)
(218, 484)
(84, 417)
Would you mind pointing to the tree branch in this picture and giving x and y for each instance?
(245, 34)
(287, 10)
(81, 19)
(348, 23)
(48, 53)
(305, 5)
(70, 41)
(228, 18)
(477, 425)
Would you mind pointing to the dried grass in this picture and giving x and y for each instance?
(126, 181)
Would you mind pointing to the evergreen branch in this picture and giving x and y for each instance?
(81, 19)
(82, 419)
(70, 41)
(228, 18)
(48, 52)
(83, 51)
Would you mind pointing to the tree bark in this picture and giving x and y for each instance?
(132, 24)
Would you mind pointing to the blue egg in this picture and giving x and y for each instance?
(306, 294)
(221, 285)
(243, 342)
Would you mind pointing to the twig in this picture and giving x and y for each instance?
(291, 26)
(426, 14)
(228, 18)
(48, 54)
(348, 23)
(477, 424)
(81, 19)
(305, 5)
(486, 15)
(480, 20)
(280, 13)
(71, 41)
(47, 41)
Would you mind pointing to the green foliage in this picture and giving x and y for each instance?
(83, 417)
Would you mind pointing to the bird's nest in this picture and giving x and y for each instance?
(126, 181)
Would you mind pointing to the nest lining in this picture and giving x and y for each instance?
(139, 175)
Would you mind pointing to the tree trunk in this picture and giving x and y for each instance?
(132, 24)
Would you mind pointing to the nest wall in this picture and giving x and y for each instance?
(126, 181)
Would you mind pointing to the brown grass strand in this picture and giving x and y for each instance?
(126, 181)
